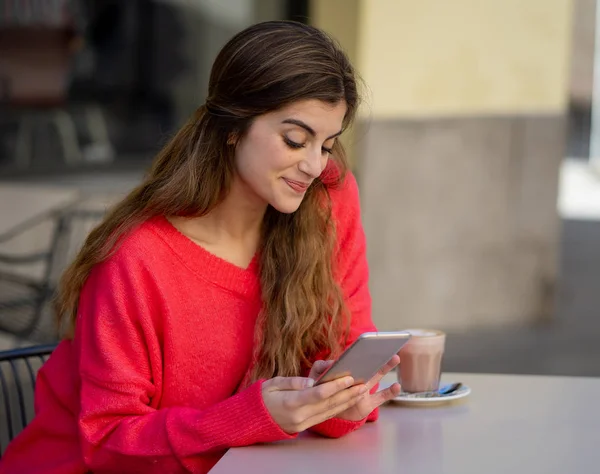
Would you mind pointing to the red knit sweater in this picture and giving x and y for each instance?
(164, 336)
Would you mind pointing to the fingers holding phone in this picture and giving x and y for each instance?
(296, 405)
(383, 371)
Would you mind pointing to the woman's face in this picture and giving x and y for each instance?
(284, 151)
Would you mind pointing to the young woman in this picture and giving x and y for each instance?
(203, 307)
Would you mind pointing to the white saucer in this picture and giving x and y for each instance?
(431, 399)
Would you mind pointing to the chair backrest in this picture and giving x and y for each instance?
(18, 372)
(25, 298)
(73, 228)
(75, 225)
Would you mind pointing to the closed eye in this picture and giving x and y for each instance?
(293, 144)
(296, 146)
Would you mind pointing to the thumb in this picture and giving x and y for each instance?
(288, 383)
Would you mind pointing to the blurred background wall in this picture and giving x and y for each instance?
(459, 166)
(581, 77)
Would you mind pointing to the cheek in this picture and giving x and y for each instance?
(266, 157)
(278, 156)
(259, 160)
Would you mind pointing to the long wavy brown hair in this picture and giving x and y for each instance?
(263, 68)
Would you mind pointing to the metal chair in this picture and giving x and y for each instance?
(25, 297)
(18, 372)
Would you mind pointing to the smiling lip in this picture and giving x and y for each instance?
(297, 186)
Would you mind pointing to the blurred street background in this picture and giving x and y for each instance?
(477, 153)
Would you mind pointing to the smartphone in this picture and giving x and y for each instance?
(369, 353)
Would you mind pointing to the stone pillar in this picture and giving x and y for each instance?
(458, 152)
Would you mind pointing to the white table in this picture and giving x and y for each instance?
(509, 423)
(24, 203)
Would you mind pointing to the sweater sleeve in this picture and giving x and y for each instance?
(121, 427)
(353, 271)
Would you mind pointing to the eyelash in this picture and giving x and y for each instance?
(297, 146)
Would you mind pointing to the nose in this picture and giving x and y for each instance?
(312, 164)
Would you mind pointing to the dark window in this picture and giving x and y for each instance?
(297, 10)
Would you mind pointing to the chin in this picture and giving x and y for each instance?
(287, 206)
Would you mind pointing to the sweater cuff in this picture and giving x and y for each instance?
(274, 430)
(337, 427)
(242, 420)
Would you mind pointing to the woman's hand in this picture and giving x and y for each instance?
(296, 405)
(366, 404)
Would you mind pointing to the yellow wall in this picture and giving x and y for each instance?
(449, 57)
(340, 19)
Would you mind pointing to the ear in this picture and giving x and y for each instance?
(232, 139)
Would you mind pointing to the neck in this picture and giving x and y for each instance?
(237, 219)
(239, 216)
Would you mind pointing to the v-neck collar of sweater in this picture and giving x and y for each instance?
(206, 265)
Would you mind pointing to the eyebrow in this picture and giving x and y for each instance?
(309, 129)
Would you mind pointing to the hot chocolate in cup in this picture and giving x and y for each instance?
(421, 360)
